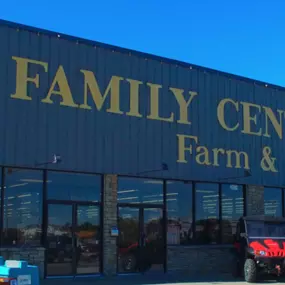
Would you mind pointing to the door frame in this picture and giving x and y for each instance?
(74, 205)
(141, 208)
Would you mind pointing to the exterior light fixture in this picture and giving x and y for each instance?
(246, 174)
(164, 167)
(55, 160)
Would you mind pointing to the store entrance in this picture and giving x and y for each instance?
(73, 237)
(141, 242)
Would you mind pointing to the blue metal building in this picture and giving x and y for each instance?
(170, 153)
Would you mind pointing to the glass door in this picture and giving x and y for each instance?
(128, 240)
(141, 239)
(88, 246)
(73, 239)
(153, 249)
(59, 242)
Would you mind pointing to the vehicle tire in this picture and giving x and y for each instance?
(129, 263)
(250, 271)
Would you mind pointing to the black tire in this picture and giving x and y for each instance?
(250, 271)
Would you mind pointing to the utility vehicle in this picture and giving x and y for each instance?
(260, 247)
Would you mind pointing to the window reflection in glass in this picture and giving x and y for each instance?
(22, 207)
(138, 190)
(179, 212)
(266, 229)
(59, 240)
(1, 195)
(88, 236)
(232, 210)
(129, 234)
(73, 186)
(207, 213)
(273, 202)
(283, 202)
(154, 250)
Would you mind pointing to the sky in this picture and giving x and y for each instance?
(243, 37)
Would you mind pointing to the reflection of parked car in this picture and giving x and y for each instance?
(260, 247)
(59, 248)
(135, 258)
(88, 252)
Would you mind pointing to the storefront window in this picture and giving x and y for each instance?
(283, 202)
(179, 212)
(273, 202)
(1, 169)
(207, 213)
(22, 207)
(73, 186)
(232, 210)
(138, 190)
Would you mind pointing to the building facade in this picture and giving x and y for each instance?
(115, 161)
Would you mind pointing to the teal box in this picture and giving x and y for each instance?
(25, 274)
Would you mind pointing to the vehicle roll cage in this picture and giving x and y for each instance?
(260, 218)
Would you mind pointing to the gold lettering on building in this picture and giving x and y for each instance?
(134, 98)
(183, 104)
(233, 116)
(208, 156)
(253, 115)
(113, 88)
(154, 104)
(202, 156)
(221, 113)
(249, 117)
(60, 86)
(64, 91)
(277, 124)
(237, 156)
(216, 152)
(182, 148)
(22, 77)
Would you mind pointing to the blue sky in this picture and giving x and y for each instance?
(244, 37)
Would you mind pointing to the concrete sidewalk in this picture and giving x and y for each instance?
(153, 279)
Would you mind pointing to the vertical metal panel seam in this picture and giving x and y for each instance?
(165, 225)
(102, 206)
(220, 214)
(283, 202)
(194, 209)
(3, 178)
(244, 200)
(45, 219)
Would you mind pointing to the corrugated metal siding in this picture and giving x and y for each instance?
(93, 141)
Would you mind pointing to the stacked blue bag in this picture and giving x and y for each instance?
(20, 270)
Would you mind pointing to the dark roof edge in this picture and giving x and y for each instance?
(138, 53)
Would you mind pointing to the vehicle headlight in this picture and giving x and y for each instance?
(260, 252)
